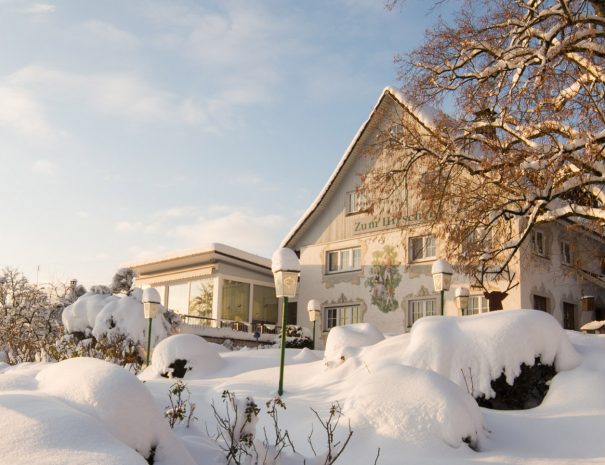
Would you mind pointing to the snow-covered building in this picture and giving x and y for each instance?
(368, 269)
(216, 286)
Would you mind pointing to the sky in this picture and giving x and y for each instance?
(131, 130)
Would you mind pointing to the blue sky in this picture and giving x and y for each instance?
(132, 129)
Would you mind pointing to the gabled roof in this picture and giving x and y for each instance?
(425, 115)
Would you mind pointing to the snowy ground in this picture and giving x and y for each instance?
(85, 412)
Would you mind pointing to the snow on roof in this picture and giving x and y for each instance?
(425, 114)
(214, 247)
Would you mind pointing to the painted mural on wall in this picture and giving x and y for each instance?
(384, 278)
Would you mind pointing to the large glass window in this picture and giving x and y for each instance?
(264, 305)
(200, 298)
(178, 298)
(422, 247)
(421, 308)
(343, 260)
(235, 300)
(338, 316)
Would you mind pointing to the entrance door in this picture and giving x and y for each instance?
(569, 314)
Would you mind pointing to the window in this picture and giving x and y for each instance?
(421, 308)
(541, 303)
(338, 261)
(539, 243)
(395, 134)
(476, 304)
(422, 247)
(569, 313)
(264, 305)
(565, 253)
(355, 202)
(178, 298)
(338, 316)
(235, 301)
(201, 297)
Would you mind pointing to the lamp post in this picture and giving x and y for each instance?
(286, 269)
(442, 273)
(151, 307)
(314, 309)
(461, 295)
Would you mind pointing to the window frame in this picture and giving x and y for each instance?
(412, 302)
(424, 257)
(340, 315)
(483, 306)
(352, 254)
(539, 245)
(354, 203)
(566, 255)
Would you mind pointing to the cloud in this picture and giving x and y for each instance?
(256, 233)
(22, 111)
(40, 9)
(110, 33)
(123, 95)
(45, 167)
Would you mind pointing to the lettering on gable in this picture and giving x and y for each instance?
(379, 224)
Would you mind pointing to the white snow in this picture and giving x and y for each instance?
(89, 412)
(201, 356)
(284, 259)
(473, 351)
(593, 325)
(344, 340)
(104, 315)
(441, 266)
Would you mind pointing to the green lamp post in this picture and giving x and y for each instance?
(151, 307)
(286, 270)
(442, 273)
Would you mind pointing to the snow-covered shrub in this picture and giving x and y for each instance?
(121, 402)
(185, 354)
(81, 315)
(344, 341)
(123, 281)
(475, 351)
(414, 405)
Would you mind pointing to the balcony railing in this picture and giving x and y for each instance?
(243, 326)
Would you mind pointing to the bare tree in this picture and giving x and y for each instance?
(522, 140)
(28, 319)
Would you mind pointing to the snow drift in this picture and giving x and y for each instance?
(474, 350)
(343, 341)
(197, 356)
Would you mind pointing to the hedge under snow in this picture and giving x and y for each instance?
(200, 356)
(343, 341)
(103, 315)
(474, 350)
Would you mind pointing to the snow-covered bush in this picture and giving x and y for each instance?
(475, 351)
(344, 341)
(110, 327)
(414, 405)
(121, 402)
(185, 355)
(123, 281)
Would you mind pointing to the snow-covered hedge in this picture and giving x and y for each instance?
(343, 341)
(104, 315)
(473, 351)
(185, 355)
(414, 405)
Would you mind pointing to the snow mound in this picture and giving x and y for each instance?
(474, 350)
(306, 355)
(118, 400)
(124, 315)
(414, 405)
(344, 340)
(81, 315)
(200, 356)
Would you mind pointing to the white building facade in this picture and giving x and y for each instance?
(378, 269)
